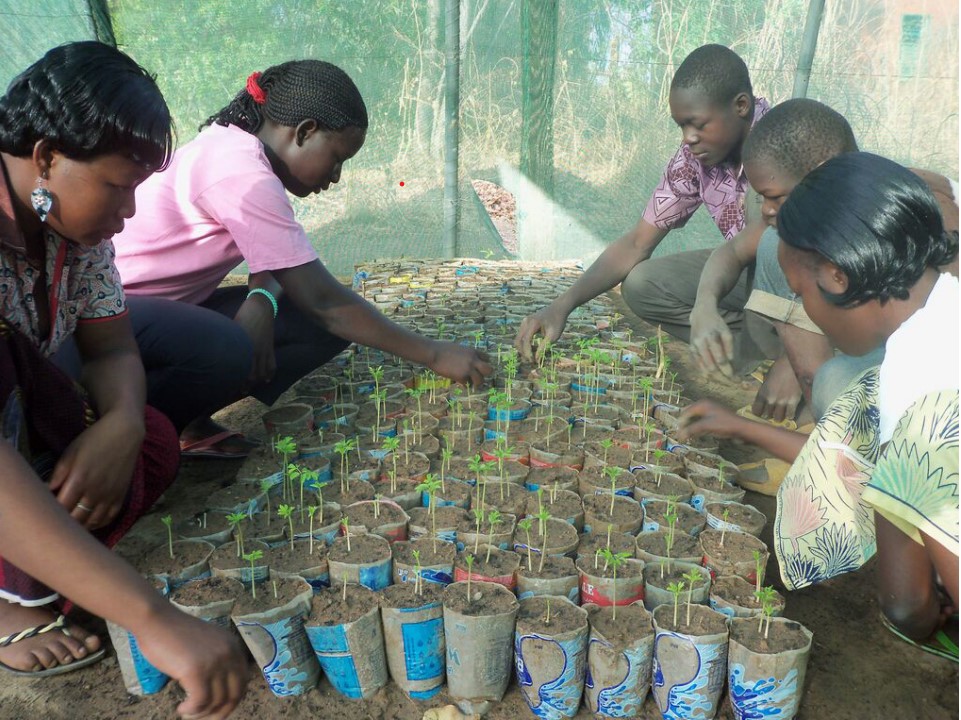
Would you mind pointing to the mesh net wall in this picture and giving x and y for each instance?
(595, 91)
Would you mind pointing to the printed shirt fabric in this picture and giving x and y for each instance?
(82, 282)
(687, 184)
(218, 204)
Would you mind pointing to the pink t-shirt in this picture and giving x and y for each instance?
(687, 184)
(218, 203)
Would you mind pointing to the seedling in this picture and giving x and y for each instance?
(670, 516)
(693, 578)
(168, 521)
(252, 557)
(343, 448)
(478, 521)
(469, 561)
(766, 596)
(287, 448)
(287, 512)
(311, 511)
(658, 456)
(525, 525)
(759, 561)
(614, 560)
(265, 486)
(306, 478)
(344, 595)
(724, 515)
(430, 486)
(612, 472)
(377, 499)
(445, 457)
(236, 522)
(547, 620)
(390, 445)
(676, 588)
(345, 526)
(418, 580)
(607, 444)
(542, 516)
(493, 519)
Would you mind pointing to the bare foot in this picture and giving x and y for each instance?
(41, 651)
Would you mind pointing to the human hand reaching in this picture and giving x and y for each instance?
(711, 341)
(547, 322)
(461, 364)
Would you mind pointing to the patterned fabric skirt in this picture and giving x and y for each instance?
(824, 526)
(915, 483)
(43, 411)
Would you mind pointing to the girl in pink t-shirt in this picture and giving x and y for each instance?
(222, 201)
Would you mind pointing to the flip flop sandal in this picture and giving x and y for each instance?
(764, 477)
(208, 446)
(939, 643)
(61, 624)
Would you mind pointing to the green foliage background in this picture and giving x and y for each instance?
(612, 130)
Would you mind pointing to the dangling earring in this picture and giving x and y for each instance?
(41, 199)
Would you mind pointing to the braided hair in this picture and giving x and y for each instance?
(292, 92)
(87, 99)
(716, 71)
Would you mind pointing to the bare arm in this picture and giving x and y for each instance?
(96, 468)
(202, 657)
(706, 417)
(609, 270)
(711, 339)
(345, 314)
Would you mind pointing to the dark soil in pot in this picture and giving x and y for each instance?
(564, 477)
(782, 636)
(186, 553)
(359, 490)
(591, 542)
(625, 516)
(506, 497)
(483, 600)
(704, 621)
(736, 556)
(655, 543)
(628, 569)
(498, 564)
(689, 520)
(363, 549)
(208, 590)
(403, 595)
(671, 485)
(447, 517)
(632, 622)
(328, 607)
(564, 616)
(403, 552)
(555, 566)
(565, 504)
(286, 560)
(363, 514)
(270, 594)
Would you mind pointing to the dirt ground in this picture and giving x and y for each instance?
(857, 670)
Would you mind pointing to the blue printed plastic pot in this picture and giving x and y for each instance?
(299, 561)
(734, 596)
(140, 677)
(708, 489)
(550, 650)
(689, 520)
(227, 561)
(518, 410)
(689, 668)
(211, 599)
(344, 630)
(276, 637)
(326, 530)
(336, 417)
(656, 583)
(436, 561)
(620, 654)
(423, 524)
(190, 561)
(479, 632)
(414, 638)
(663, 486)
(766, 669)
(365, 560)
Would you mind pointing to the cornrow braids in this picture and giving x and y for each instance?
(715, 70)
(295, 91)
(798, 135)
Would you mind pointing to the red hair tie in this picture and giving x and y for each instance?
(254, 89)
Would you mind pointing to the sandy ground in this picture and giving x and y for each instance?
(857, 670)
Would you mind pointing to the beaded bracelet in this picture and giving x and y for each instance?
(267, 294)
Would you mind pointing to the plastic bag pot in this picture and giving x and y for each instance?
(750, 519)
(655, 588)
(560, 577)
(604, 591)
(373, 574)
(480, 643)
(619, 672)
(414, 639)
(139, 675)
(351, 653)
(391, 525)
(550, 663)
(288, 419)
(734, 596)
(767, 684)
(437, 571)
(216, 611)
(689, 670)
(277, 640)
(183, 572)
